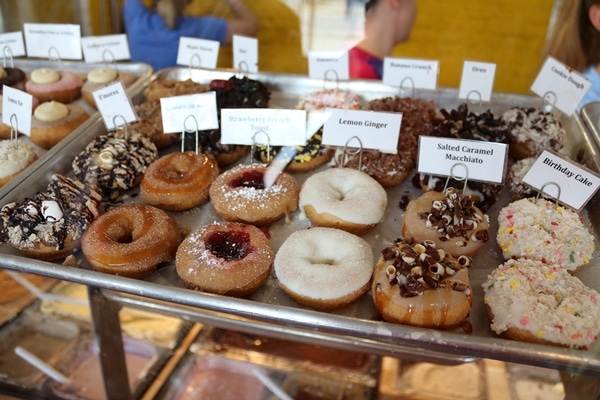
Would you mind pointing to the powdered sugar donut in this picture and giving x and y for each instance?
(48, 84)
(539, 229)
(538, 302)
(532, 131)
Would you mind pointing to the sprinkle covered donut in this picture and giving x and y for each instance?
(539, 229)
(538, 302)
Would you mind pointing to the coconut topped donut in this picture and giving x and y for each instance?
(532, 131)
(14, 158)
(542, 303)
(329, 98)
(539, 229)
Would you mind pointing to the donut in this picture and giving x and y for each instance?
(11, 290)
(114, 163)
(15, 156)
(49, 225)
(53, 121)
(178, 181)
(343, 198)
(159, 88)
(130, 240)
(209, 142)
(329, 98)
(533, 131)
(227, 258)
(48, 84)
(100, 77)
(514, 179)
(419, 284)
(240, 93)
(240, 195)
(540, 229)
(536, 302)
(13, 77)
(324, 268)
(448, 219)
(150, 124)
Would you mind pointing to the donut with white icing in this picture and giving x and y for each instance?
(15, 156)
(532, 131)
(53, 121)
(48, 84)
(324, 268)
(103, 76)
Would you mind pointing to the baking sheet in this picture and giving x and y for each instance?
(357, 326)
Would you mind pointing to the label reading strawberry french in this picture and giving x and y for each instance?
(277, 127)
(16, 109)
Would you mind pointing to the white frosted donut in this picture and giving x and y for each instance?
(324, 268)
(539, 229)
(536, 302)
(14, 158)
(343, 198)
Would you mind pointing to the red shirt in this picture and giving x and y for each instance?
(364, 65)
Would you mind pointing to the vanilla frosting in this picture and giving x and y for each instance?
(51, 111)
(102, 75)
(45, 75)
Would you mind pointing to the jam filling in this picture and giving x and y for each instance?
(253, 178)
(230, 246)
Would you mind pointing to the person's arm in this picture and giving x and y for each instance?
(244, 22)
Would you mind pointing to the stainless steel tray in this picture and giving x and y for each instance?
(356, 327)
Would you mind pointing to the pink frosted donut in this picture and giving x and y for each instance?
(47, 84)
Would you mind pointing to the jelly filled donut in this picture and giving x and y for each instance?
(15, 156)
(324, 268)
(53, 121)
(227, 258)
(130, 240)
(48, 84)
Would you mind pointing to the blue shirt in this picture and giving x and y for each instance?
(594, 93)
(151, 42)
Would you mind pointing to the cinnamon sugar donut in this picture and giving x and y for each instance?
(419, 284)
(15, 156)
(49, 225)
(533, 131)
(324, 268)
(449, 219)
(48, 84)
(240, 195)
(178, 181)
(150, 124)
(227, 258)
(53, 121)
(130, 240)
(532, 301)
(160, 88)
(100, 77)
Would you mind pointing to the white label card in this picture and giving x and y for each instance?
(106, 48)
(376, 130)
(329, 65)
(560, 86)
(17, 107)
(13, 41)
(190, 112)
(484, 161)
(410, 73)
(551, 172)
(477, 81)
(114, 105)
(245, 54)
(277, 127)
(53, 41)
(198, 53)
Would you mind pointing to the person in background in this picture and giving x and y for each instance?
(387, 23)
(154, 32)
(575, 41)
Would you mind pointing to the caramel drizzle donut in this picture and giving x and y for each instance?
(114, 163)
(130, 240)
(421, 285)
(50, 224)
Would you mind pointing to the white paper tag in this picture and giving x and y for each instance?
(550, 171)
(105, 48)
(17, 107)
(13, 41)
(330, 65)
(245, 54)
(560, 86)
(53, 41)
(410, 73)
(376, 130)
(477, 81)
(476, 159)
(190, 112)
(277, 127)
(114, 105)
(198, 53)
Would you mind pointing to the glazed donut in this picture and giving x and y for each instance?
(533, 131)
(532, 301)
(343, 198)
(449, 220)
(150, 124)
(100, 77)
(324, 268)
(114, 163)
(159, 88)
(130, 240)
(178, 181)
(47, 84)
(539, 229)
(53, 121)
(15, 156)
(227, 258)
(421, 285)
(240, 195)
(13, 77)
(49, 225)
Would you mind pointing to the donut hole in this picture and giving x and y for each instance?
(229, 246)
(253, 178)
